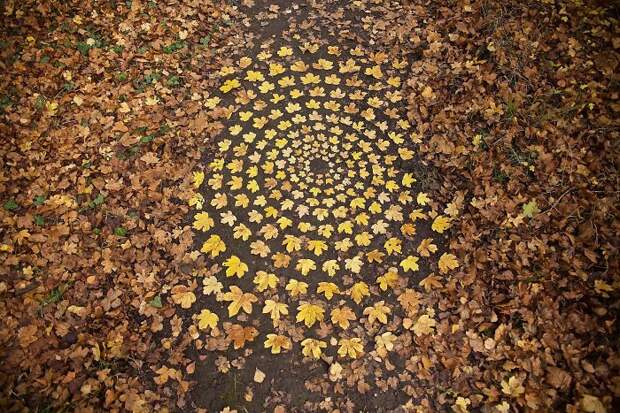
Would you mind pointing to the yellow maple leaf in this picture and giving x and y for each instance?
(378, 311)
(196, 200)
(424, 325)
(358, 291)
(354, 264)
(317, 246)
(374, 71)
(241, 231)
(183, 297)
(275, 309)
(431, 282)
(292, 243)
(229, 85)
(312, 347)
(410, 263)
(211, 285)
(199, 177)
(440, 224)
(202, 221)
(330, 267)
(264, 280)
(254, 76)
(375, 256)
(461, 405)
(214, 246)
(352, 347)
(234, 266)
(206, 318)
(393, 245)
(259, 248)
(244, 62)
(388, 280)
(592, 404)
(447, 262)
(285, 51)
(239, 334)
(281, 260)
(305, 265)
(417, 214)
(278, 342)
(426, 247)
(276, 69)
(385, 343)
(296, 288)
(239, 300)
(513, 387)
(310, 313)
(328, 289)
(422, 198)
(342, 316)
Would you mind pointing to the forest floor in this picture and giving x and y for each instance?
(309, 206)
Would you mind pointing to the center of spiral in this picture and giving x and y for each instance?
(319, 166)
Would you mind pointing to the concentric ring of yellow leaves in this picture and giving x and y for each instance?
(342, 111)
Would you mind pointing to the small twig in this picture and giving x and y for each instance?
(557, 200)
(27, 289)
